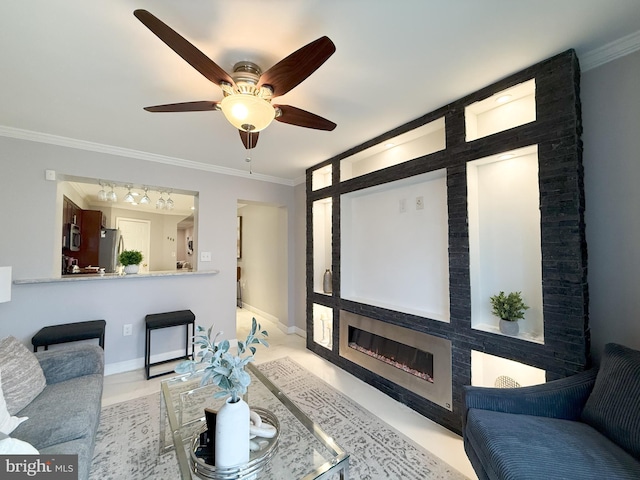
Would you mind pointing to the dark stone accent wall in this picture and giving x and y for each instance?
(556, 131)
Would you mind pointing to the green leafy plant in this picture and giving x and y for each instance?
(508, 307)
(130, 257)
(223, 368)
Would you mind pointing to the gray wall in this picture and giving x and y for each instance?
(264, 259)
(30, 243)
(611, 116)
(300, 247)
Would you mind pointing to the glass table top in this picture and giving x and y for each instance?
(304, 451)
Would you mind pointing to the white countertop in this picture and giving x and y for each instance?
(84, 277)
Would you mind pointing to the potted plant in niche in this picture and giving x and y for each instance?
(509, 308)
(227, 371)
(130, 260)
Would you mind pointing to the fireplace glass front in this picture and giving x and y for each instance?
(414, 360)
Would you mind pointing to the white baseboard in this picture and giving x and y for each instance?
(274, 320)
(138, 363)
(267, 316)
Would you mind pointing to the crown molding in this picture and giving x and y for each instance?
(611, 51)
(39, 137)
(299, 180)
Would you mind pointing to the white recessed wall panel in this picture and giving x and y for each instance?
(420, 141)
(321, 242)
(504, 237)
(507, 109)
(491, 371)
(321, 178)
(323, 325)
(394, 246)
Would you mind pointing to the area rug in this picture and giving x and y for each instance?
(128, 435)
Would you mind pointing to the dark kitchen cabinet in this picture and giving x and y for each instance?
(92, 223)
(71, 214)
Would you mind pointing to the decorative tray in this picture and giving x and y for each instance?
(257, 460)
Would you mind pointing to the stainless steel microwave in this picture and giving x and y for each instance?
(72, 237)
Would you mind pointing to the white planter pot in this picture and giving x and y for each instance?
(232, 434)
(128, 269)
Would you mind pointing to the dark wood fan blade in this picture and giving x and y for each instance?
(249, 139)
(302, 118)
(184, 48)
(184, 107)
(291, 71)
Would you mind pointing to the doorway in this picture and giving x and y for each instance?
(137, 236)
(263, 263)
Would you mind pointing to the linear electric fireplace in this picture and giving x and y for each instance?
(414, 360)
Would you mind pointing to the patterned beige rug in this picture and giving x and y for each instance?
(127, 441)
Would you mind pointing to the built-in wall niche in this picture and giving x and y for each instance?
(491, 371)
(321, 178)
(506, 109)
(323, 325)
(322, 269)
(504, 237)
(394, 246)
(420, 141)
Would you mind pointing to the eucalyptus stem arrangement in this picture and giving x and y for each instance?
(223, 368)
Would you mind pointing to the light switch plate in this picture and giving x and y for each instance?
(205, 256)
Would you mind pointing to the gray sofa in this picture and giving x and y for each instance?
(64, 418)
(586, 426)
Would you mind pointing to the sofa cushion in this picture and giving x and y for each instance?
(8, 423)
(613, 408)
(22, 376)
(63, 412)
(524, 447)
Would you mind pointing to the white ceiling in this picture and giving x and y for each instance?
(84, 70)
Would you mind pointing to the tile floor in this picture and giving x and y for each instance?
(433, 437)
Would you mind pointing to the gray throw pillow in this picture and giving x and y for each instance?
(22, 376)
(613, 408)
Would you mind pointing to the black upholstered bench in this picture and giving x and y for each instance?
(156, 321)
(69, 332)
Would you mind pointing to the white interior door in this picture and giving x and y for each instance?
(136, 234)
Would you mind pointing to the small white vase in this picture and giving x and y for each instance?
(129, 269)
(232, 434)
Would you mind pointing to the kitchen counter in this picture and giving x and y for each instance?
(88, 277)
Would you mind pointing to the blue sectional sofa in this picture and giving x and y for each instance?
(582, 427)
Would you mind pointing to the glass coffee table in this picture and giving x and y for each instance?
(304, 450)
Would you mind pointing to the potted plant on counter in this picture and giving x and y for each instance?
(130, 260)
(509, 308)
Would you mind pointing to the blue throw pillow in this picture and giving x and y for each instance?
(613, 408)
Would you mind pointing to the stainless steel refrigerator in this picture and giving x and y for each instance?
(111, 244)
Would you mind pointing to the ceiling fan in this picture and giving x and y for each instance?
(247, 92)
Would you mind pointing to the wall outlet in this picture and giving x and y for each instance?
(205, 256)
(127, 330)
(419, 203)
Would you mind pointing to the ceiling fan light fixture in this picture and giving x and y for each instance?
(247, 112)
